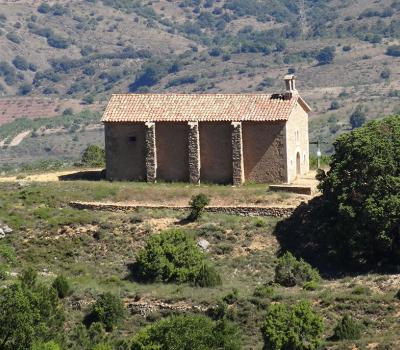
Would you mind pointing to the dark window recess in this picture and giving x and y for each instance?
(132, 138)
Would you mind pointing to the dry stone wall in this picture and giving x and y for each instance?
(232, 210)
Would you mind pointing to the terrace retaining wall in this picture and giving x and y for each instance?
(279, 212)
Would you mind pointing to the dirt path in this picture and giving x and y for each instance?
(44, 177)
(19, 138)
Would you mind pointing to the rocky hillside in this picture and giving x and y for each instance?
(344, 52)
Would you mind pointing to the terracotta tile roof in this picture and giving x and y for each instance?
(200, 107)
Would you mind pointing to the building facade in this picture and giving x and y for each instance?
(210, 138)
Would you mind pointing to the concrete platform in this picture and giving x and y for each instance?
(298, 189)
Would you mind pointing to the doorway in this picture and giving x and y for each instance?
(298, 165)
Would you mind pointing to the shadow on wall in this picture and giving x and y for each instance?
(89, 175)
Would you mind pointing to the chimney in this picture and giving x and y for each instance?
(290, 82)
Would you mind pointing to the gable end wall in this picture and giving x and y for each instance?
(297, 141)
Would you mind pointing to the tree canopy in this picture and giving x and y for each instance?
(356, 221)
(173, 256)
(30, 312)
(194, 332)
(292, 327)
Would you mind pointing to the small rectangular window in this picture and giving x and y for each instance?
(132, 138)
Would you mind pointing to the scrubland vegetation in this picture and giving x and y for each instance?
(76, 279)
(325, 278)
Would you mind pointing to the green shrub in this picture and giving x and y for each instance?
(62, 286)
(347, 328)
(310, 285)
(198, 203)
(292, 327)
(3, 272)
(20, 63)
(208, 277)
(361, 290)
(393, 50)
(30, 312)
(82, 337)
(102, 346)
(44, 8)
(28, 277)
(290, 272)
(232, 297)
(12, 36)
(51, 345)
(334, 105)
(191, 332)
(173, 256)
(264, 291)
(25, 89)
(326, 55)
(93, 156)
(358, 118)
(108, 310)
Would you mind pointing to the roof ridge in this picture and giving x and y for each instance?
(196, 94)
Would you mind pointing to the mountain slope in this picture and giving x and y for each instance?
(86, 50)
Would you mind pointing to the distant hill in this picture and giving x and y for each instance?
(344, 52)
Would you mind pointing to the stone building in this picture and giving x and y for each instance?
(212, 138)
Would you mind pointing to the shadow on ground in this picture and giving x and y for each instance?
(89, 175)
(316, 233)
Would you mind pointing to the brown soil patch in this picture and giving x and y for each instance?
(69, 231)
(158, 225)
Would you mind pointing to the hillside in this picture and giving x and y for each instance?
(95, 250)
(76, 53)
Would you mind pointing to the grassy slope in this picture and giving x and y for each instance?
(94, 248)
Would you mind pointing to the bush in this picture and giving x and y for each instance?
(28, 278)
(347, 328)
(393, 50)
(292, 327)
(326, 55)
(264, 291)
(62, 286)
(44, 8)
(108, 310)
(25, 89)
(385, 74)
(30, 312)
(198, 203)
(208, 277)
(187, 332)
(57, 42)
(13, 37)
(20, 63)
(151, 74)
(290, 272)
(93, 156)
(334, 105)
(358, 118)
(173, 256)
(51, 345)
